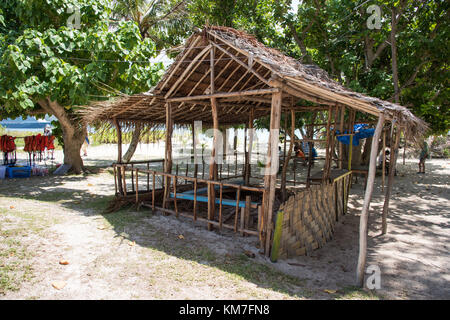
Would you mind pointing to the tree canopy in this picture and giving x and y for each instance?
(335, 35)
(47, 66)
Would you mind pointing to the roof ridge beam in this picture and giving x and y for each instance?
(225, 94)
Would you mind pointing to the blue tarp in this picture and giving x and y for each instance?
(360, 132)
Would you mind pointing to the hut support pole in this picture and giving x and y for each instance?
(244, 170)
(169, 129)
(249, 151)
(383, 166)
(271, 170)
(310, 134)
(392, 165)
(365, 209)
(287, 157)
(341, 129)
(328, 155)
(194, 147)
(168, 151)
(119, 154)
(212, 163)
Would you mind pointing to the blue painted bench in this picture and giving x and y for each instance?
(205, 189)
(225, 202)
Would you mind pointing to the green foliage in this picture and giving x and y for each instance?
(71, 66)
(106, 134)
(163, 21)
(334, 35)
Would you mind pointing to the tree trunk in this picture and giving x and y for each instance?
(133, 144)
(74, 133)
(394, 56)
(72, 146)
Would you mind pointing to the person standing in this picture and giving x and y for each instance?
(84, 146)
(423, 156)
(48, 134)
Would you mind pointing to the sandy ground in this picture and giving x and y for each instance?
(138, 255)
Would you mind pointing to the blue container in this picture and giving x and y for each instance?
(18, 172)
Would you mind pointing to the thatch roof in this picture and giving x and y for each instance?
(241, 63)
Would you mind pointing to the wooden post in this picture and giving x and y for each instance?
(363, 228)
(212, 164)
(333, 139)
(194, 148)
(350, 151)
(325, 173)
(119, 154)
(271, 168)
(168, 146)
(392, 165)
(168, 153)
(288, 157)
(341, 129)
(248, 171)
(352, 115)
(244, 173)
(404, 149)
(383, 168)
(248, 202)
(137, 189)
(310, 147)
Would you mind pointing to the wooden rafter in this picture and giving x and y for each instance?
(250, 69)
(188, 68)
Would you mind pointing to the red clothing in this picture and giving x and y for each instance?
(300, 154)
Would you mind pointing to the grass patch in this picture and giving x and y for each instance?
(356, 293)
(14, 256)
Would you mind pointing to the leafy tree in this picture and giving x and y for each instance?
(47, 67)
(163, 21)
(412, 69)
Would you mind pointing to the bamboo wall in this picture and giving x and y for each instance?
(306, 221)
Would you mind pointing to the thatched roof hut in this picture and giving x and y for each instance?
(225, 76)
(242, 64)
